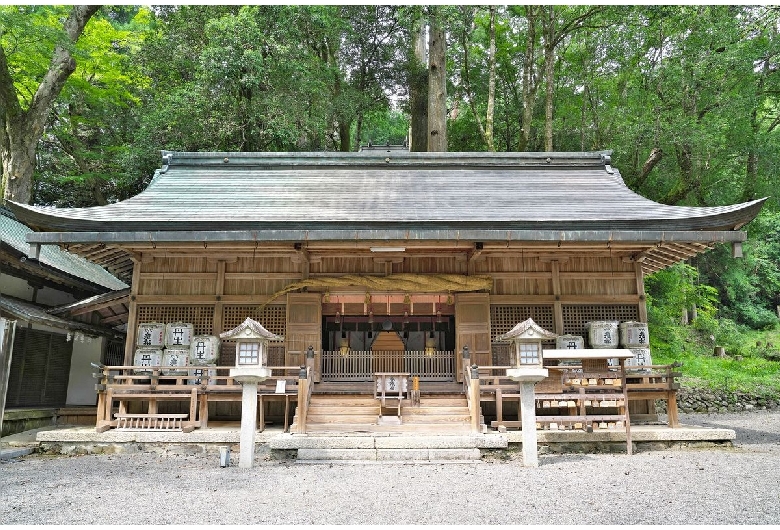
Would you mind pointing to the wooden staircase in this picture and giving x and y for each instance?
(436, 414)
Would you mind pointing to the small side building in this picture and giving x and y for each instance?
(54, 346)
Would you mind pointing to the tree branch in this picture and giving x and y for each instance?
(62, 65)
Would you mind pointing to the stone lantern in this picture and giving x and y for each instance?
(527, 369)
(251, 351)
(527, 362)
(251, 368)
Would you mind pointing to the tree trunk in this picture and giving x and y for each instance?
(491, 83)
(344, 139)
(437, 86)
(358, 130)
(486, 130)
(529, 84)
(653, 159)
(418, 92)
(21, 129)
(549, 76)
(18, 156)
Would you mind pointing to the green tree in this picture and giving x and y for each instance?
(30, 84)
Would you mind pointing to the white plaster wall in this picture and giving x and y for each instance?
(16, 287)
(53, 297)
(19, 288)
(81, 385)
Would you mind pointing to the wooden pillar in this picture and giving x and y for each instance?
(557, 306)
(640, 291)
(629, 443)
(474, 398)
(303, 399)
(219, 293)
(132, 314)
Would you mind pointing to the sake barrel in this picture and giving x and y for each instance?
(602, 334)
(178, 334)
(199, 375)
(641, 357)
(634, 335)
(150, 335)
(147, 357)
(569, 342)
(204, 349)
(173, 358)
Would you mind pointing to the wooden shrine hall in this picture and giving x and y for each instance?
(386, 262)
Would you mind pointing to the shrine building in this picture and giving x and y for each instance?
(386, 260)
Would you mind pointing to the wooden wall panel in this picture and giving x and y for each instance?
(472, 328)
(304, 329)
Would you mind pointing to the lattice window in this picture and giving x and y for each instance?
(248, 353)
(575, 316)
(504, 317)
(272, 317)
(114, 354)
(200, 316)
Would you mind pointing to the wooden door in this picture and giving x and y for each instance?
(472, 329)
(304, 329)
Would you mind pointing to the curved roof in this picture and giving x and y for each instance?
(14, 233)
(387, 190)
(487, 201)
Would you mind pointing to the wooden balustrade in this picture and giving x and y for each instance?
(197, 385)
(354, 365)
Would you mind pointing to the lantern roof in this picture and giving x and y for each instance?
(250, 329)
(527, 330)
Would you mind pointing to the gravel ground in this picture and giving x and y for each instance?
(739, 485)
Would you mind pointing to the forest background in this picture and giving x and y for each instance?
(686, 97)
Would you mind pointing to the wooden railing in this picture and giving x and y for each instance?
(356, 365)
(196, 384)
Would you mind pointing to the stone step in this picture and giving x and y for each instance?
(367, 447)
(314, 456)
(421, 428)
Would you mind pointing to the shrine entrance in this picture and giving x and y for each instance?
(357, 346)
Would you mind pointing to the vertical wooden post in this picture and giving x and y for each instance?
(7, 333)
(132, 314)
(629, 443)
(475, 393)
(557, 306)
(640, 291)
(303, 399)
(219, 305)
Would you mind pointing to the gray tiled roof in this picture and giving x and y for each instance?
(387, 190)
(14, 233)
(30, 312)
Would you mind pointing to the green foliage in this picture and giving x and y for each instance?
(750, 286)
(754, 374)
(384, 127)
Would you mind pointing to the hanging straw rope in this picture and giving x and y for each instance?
(395, 282)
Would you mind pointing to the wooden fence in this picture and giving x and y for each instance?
(362, 365)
